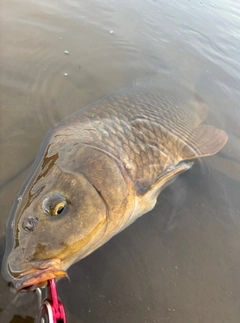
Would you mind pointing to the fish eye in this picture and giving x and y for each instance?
(54, 204)
(59, 208)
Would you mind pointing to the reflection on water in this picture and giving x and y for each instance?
(180, 263)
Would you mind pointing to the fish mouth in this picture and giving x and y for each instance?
(38, 275)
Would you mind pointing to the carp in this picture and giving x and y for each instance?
(96, 172)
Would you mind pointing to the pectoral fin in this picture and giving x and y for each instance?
(146, 197)
(168, 177)
(204, 141)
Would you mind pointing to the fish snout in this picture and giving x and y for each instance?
(29, 275)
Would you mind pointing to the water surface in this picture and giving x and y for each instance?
(179, 263)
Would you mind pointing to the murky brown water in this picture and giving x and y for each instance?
(180, 263)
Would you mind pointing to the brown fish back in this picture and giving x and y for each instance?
(146, 131)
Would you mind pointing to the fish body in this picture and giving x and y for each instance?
(96, 172)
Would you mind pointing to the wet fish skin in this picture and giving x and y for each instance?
(106, 164)
(138, 129)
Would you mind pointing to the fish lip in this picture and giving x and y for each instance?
(37, 275)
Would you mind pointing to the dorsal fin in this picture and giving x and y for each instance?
(204, 141)
(199, 109)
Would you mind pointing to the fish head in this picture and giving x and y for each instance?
(62, 215)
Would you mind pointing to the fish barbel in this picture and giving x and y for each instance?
(96, 172)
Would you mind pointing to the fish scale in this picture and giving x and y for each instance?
(163, 125)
